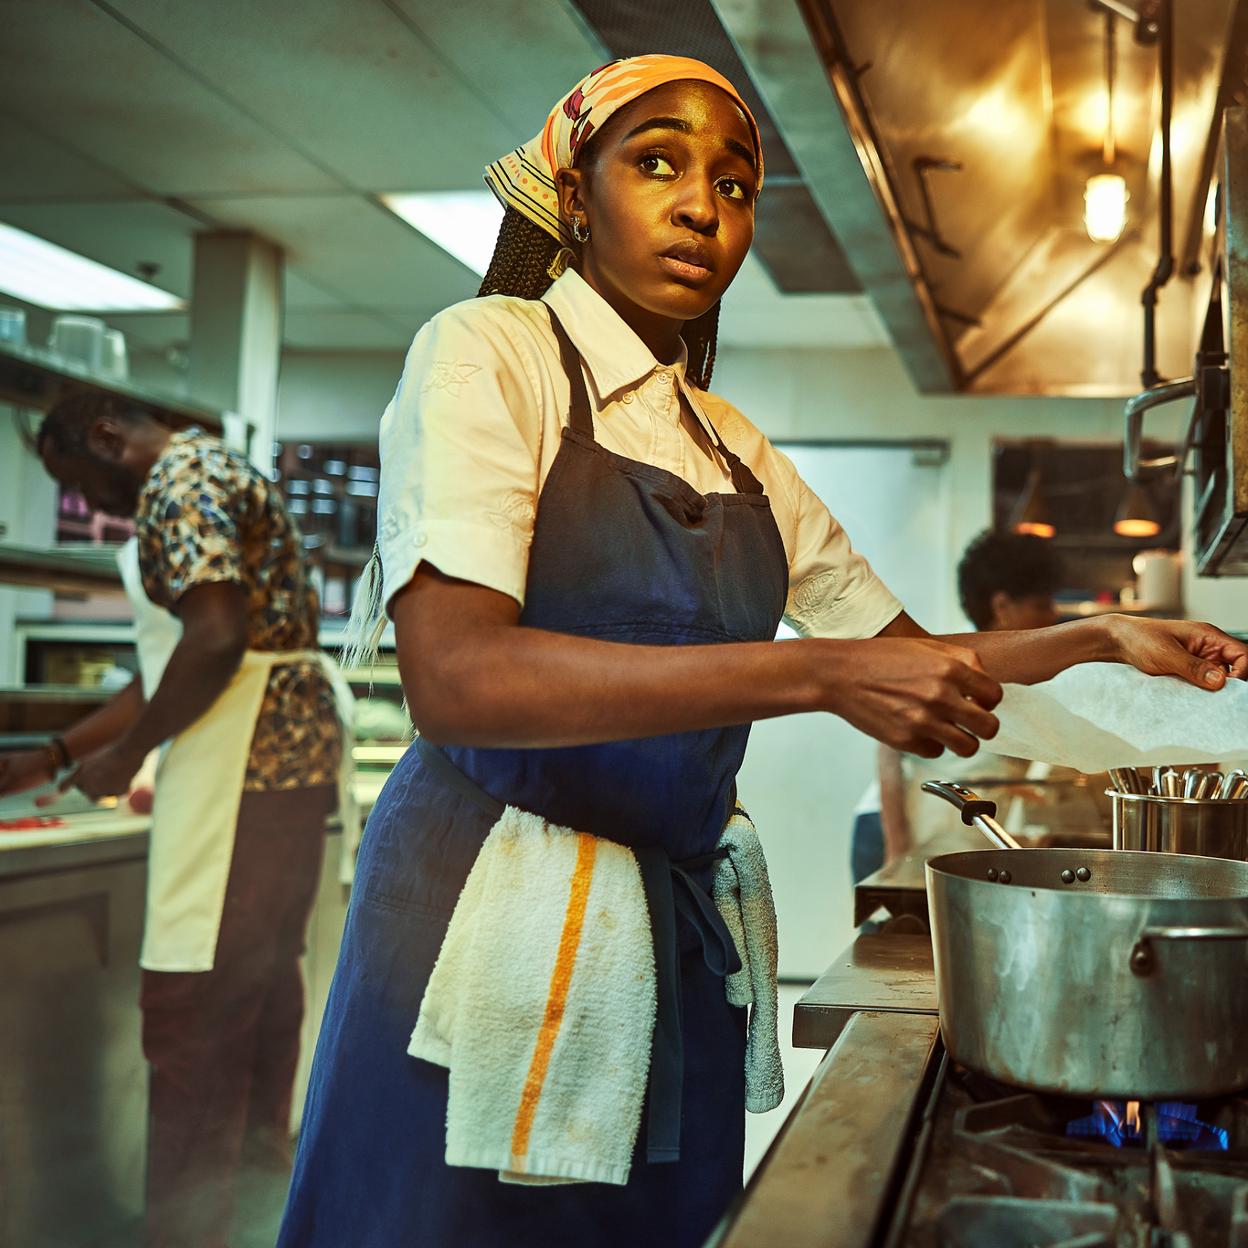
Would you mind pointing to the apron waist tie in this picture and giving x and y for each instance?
(670, 888)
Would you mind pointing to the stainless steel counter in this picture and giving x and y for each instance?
(832, 1166)
(73, 1080)
(70, 850)
(73, 1083)
(889, 974)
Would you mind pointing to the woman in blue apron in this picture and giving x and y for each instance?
(586, 557)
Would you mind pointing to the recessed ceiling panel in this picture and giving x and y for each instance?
(353, 248)
(352, 84)
(37, 167)
(519, 57)
(756, 315)
(76, 72)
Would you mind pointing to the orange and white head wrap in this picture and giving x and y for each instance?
(525, 179)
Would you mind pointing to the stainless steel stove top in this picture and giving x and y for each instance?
(895, 1146)
(990, 1167)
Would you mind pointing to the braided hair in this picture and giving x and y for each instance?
(523, 259)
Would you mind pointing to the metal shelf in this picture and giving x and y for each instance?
(32, 378)
(53, 569)
(51, 695)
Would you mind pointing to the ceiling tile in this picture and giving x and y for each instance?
(40, 168)
(487, 41)
(301, 294)
(80, 75)
(353, 83)
(354, 248)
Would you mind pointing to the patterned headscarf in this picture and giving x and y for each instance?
(525, 179)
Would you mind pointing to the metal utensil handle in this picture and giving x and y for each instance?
(1143, 959)
(975, 811)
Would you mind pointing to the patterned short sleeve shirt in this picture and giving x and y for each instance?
(207, 516)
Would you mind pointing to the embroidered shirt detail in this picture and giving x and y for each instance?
(814, 591)
(450, 376)
(517, 512)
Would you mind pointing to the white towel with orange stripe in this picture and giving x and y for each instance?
(541, 1005)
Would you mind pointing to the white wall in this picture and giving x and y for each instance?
(867, 394)
(335, 396)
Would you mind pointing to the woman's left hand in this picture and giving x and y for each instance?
(1198, 653)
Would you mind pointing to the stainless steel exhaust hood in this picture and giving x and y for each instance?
(955, 174)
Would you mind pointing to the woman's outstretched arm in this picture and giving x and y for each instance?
(474, 676)
(1199, 653)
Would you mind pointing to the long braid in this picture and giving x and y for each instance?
(523, 254)
(700, 338)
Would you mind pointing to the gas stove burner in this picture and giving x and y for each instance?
(1003, 1168)
(1127, 1123)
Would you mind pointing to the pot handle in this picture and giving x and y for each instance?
(975, 811)
(1143, 959)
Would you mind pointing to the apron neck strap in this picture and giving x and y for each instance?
(580, 417)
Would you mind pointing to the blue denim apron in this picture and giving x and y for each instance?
(622, 551)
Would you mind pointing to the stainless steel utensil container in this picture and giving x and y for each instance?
(1180, 825)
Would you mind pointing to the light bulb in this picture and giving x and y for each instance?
(1105, 207)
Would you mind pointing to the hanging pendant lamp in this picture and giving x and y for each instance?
(1031, 515)
(1136, 516)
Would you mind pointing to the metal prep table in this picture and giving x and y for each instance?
(73, 1079)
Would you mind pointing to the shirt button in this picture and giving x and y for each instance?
(421, 537)
(628, 398)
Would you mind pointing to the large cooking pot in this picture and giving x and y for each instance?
(1091, 973)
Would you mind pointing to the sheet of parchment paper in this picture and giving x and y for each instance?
(1100, 715)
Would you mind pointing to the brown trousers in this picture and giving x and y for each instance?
(223, 1044)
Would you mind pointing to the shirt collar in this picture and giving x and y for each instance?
(615, 357)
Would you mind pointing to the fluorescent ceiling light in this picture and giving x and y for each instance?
(39, 272)
(463, 223)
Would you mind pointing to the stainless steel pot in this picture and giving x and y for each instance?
(1180, 825)
(1092, 973)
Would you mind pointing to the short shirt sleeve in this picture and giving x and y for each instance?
(459, 443)
(187, 528)
(833, 590)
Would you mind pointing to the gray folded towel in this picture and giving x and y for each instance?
(741, 891)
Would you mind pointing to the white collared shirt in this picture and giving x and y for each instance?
(474, 427)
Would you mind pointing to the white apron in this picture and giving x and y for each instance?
(199, 784)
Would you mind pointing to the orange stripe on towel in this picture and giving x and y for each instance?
(556, 999)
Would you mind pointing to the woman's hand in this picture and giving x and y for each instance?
(919, 696)
(1198, 653)
(27, 769)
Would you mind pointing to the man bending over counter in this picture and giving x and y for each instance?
(233, 687)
